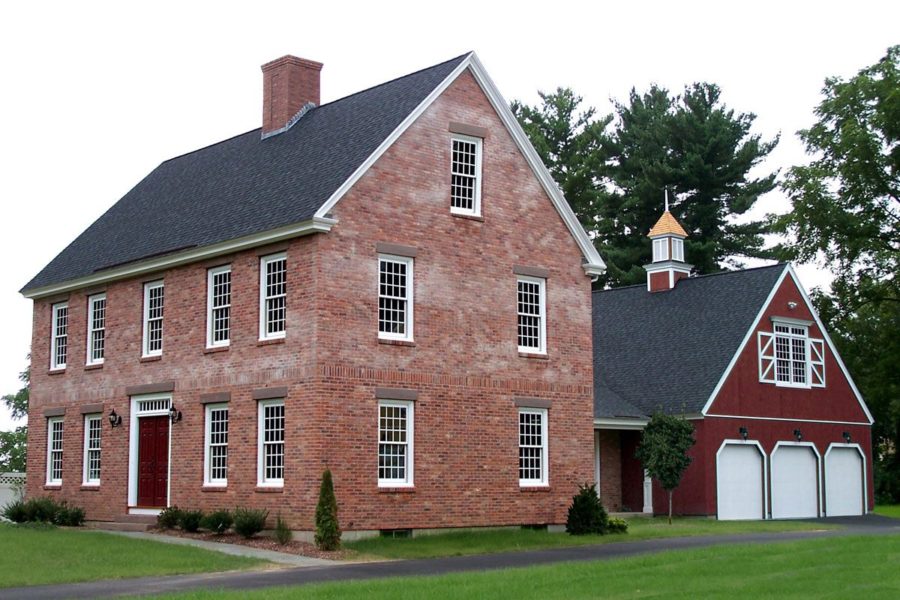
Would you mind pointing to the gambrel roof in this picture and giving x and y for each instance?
(246, 191)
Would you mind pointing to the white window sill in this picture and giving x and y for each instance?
(274, 336)
(90, 484)
(395, 338)
(57, 369)
(801, 386)
(532, 485)
(387, 483)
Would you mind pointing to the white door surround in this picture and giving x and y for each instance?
(846, 491)
(147, 405)
(796, 483)
(648, 493)
(741, 476)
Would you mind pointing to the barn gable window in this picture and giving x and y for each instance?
(789, 357)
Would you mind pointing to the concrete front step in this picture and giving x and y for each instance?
(125, 523)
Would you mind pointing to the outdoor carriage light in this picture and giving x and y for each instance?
(114, 419)
(798, 434)
(846, 436)
(174, 414)
(744, 433)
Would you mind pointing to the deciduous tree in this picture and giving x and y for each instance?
(663, 451)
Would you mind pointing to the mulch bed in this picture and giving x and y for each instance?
(262, 542)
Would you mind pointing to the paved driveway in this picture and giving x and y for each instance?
(868, 525)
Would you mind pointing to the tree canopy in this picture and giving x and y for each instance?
(13, 443)
(663, 450)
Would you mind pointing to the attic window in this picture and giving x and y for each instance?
(788, 357)
(465, 175)
(678, 249)
(660, 250)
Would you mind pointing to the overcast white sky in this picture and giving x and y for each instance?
(95, 95)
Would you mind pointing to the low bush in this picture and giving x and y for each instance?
(16, 511)
(41, 509)
(218, 521)
(67, 516)
(190, 520)
(44, 510)
(249, 521)
(617, 526)
(169, 518)
(283, 533)
(586, 513)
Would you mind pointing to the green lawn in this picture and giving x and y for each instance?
(36, 556)
(508, 540)
(889, 510)
(852, 567)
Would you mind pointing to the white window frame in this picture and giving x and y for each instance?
(264, 297)
(678, 249)
(261, 479)
(410, 295)
(476, 200)
(55, 336)
(51, 421)
(145, 345)
(660, 249)
(211, 342)
(768, 356)
(93, 331)
(208, 479)
(89, 419)
(545, 471)
(408, 480)
(542, 316)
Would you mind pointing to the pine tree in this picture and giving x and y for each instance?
(328, 531)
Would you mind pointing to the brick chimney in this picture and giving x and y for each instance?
(668, 264)
(289, 84)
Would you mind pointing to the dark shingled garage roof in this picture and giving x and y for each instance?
(667, 350)
(244, 185)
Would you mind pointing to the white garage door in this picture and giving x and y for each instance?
(795, 483)
(843, 482)
(739, 482)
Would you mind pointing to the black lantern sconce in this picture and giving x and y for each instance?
(114, 419)
(798, 434)
(847, 437)
(174, 414)
(744, 433)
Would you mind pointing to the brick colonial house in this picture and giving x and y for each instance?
(781, 430)
(389, 285)
(392, 286)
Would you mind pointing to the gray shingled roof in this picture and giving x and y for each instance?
(667, 350)
(244, 185)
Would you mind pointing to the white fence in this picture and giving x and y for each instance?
(12, 487)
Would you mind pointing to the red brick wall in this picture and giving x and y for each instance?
(611, 470)
(465, 363)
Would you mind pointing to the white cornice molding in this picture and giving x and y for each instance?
(314, 225)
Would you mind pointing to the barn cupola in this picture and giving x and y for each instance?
(668, 264)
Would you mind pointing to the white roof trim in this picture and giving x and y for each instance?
(142, 267)
(593, 264)
(788, 270)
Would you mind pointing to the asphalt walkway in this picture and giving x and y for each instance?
(868, 525)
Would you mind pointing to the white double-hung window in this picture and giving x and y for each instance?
(789, 357)
(531, 313)
(395, 443)
(215, 471)
(96, 338)
(395, 297)
(465, 175)
(270, 461)
(59, 345)
(272, 296)
(218, 306)
(54, 450)
(154, 297)
(92, 438)
(532, 447)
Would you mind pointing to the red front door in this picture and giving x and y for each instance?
(153, 461)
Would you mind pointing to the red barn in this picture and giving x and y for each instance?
(781, 430)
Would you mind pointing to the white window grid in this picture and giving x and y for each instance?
(154, 300)
(395, 443)
(270, 470)
(216, 455)
(96, 339)
(54, 450)
(59, 349)
(273, 296)
(218, 307)
(660, 250)
(532, 447)
(678, 249)
(395, 297)
(791, 364)
(93, 430)
(531, 314)
(465, 175)
(152, 406)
